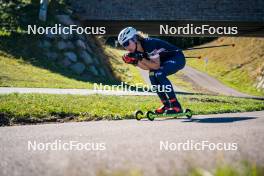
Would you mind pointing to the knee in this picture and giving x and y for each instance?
(152, 78)
(159, 75)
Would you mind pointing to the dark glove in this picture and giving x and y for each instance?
(138, 55)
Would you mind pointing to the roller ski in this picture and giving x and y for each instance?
(172, 111)
(152, 115)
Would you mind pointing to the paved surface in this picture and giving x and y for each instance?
(207, 82)
(132, 144)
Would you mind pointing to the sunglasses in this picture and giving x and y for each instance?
(125, 44)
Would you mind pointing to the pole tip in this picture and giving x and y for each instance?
(233, 45)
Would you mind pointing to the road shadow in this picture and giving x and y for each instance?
(208, 120)
(219, 119)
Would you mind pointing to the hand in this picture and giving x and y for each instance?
(138, 55)
(129, 60)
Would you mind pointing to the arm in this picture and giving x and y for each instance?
(153, 63)
(142, 65)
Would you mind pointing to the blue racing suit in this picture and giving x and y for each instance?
(168, 65)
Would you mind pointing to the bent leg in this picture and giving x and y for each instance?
(163, 97)
(166, 69)
(165, 84)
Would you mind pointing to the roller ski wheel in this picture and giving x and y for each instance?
(188, 113)
(151, 115)
(139, 114)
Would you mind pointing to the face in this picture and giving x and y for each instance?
(131, 47)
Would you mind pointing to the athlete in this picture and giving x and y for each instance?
(160, 58)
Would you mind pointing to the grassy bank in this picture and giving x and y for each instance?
(237, 67)
(30, 108)
(24, 64)
(16, 72)
(39, 72)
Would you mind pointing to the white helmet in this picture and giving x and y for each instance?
(126, 34)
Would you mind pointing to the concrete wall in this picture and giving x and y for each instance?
(199, 10)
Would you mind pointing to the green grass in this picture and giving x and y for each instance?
(244, 168)
(19, 73)
(237, 67)
(19, 108)
(120, 172)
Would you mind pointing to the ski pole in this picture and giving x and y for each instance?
(204, 47)
(163, 53)
(196, 48)
(198, 57)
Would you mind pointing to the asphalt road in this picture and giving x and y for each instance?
(211, 84)
(131, 144)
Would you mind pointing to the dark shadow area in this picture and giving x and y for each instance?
(219, 119)
(206, 120)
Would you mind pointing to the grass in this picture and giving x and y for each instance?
(130, 172)
(237, 67)
(15, 72)
(244, 168)
(19, 73)
(31, 108)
